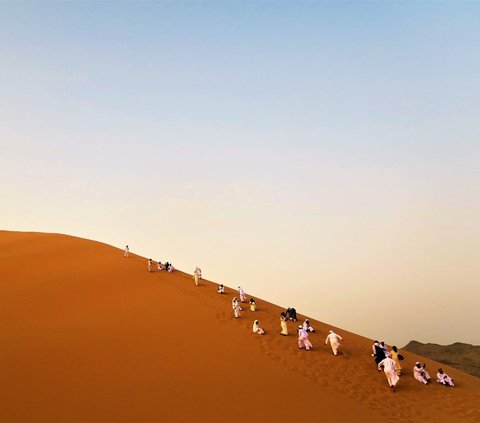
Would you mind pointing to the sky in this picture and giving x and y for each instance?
(322, 155)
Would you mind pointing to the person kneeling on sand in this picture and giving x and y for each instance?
(257, 329)
(221, 289)
(283, 323)
(334, 340)
(253, 305)
(303, 340)
(236, 307)
(170, 268)
(390, 369)
(159, 266)
(443, 378)
(307, 326)
(421, 374)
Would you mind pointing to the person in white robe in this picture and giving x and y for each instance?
(198, 271)
(159, 266)
(334, 340)
(390, 369)
(127, 250)
(444, 379)
(420, 373)
(283, 324)
(303, 341)
(307, 326)
(236, 307)
(221, 289)
(171, 268)
(242, 295)
(150, 265)
(257, 329)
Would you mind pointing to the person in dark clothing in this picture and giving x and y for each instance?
(292, 313)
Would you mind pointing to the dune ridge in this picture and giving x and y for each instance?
(90, 336)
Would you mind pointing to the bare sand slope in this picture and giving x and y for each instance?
(89, 336)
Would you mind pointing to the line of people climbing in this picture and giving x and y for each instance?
(387, 361)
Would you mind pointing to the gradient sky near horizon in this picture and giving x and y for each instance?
(323, 155)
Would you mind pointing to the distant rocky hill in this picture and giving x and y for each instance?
(464, 357)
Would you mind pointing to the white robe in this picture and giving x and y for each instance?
(307, 327)
(390, 369)
(421, 374)
(303, 340)
(221, 289)
(126, 252)
(241, 293)
(257, 329)
(334, 340)
(236, 308)
(444, 379)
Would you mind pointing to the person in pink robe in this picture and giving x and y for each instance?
(241, 294)
(303, 341)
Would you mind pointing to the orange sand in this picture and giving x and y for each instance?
(90, 336)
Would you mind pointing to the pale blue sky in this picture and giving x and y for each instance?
(332, 146)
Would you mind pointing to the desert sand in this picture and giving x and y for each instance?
(90, 336)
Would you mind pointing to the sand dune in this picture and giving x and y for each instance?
(89, 336)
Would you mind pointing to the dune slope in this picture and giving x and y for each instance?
(90, 336)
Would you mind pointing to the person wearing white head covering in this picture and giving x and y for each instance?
(303, 340)
(236, 307)
(127, 250)
(241, 293)
(390, 369)
(420, 373)
(307, 326)
(334, 340)
(150, 265)
(257, 329)
(444, 379)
